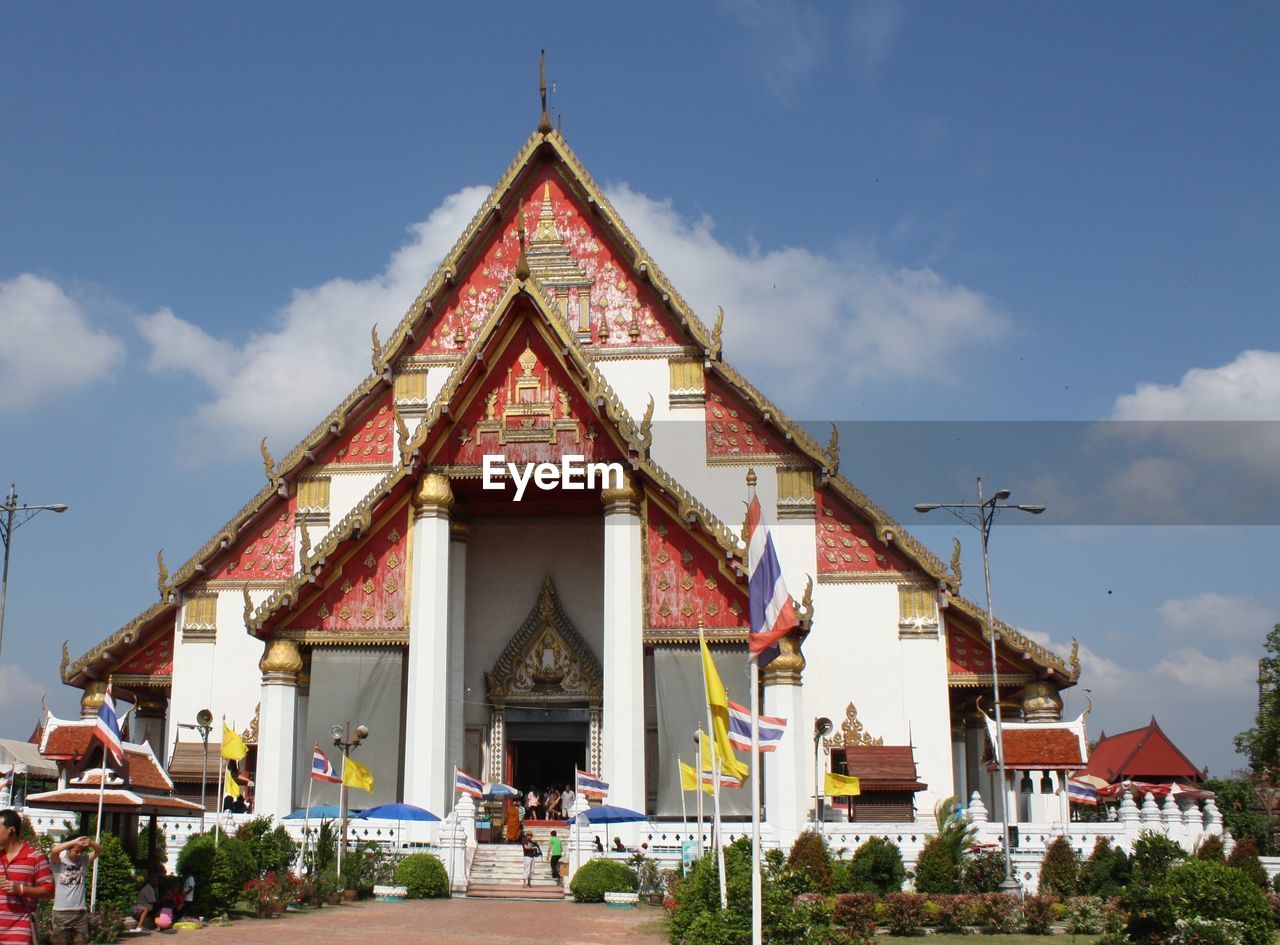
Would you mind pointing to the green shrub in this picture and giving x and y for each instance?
(956, 913)
(1211, 848)
(810, 861)
(423, 875)
(196, 859)
(233, 867)
(1106, 872)
(1244, 857)
(982, 872)
(1060, 869)
(937, 868)
(1037, 914)
(1084, 916)
(876, 867)
(322, 850)
(999, 914)
(904, 913)
(1198, 889)
(116, 886)
(273, 849)
(599, 876)
(1153, 855)
(855, 915)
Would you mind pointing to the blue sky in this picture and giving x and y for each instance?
(941, 212)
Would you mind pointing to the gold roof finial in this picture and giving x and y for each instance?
(522, 264)
(544, 123)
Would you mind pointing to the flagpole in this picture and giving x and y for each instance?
(222, 785)
(684, 812)
(756, 892)
(306, 814)
(97, 832)
(342, 812)
(715, 769)
(698, 741)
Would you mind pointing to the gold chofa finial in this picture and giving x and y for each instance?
(544, 122)
(522, 264)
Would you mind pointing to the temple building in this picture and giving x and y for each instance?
(394, 571)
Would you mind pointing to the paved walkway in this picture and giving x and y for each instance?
(443, 922)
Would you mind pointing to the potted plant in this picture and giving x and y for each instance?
(260, 892)
(649, 881)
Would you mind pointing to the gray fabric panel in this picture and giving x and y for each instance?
(356, 686)
(681, 697)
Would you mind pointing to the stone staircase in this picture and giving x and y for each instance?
(497, 867)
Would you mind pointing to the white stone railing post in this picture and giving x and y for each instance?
(1173, 826)
(1150, 813)
(458, 841)
(1130, 820)
(1212, 818)
(977, 811)
(1193, 824)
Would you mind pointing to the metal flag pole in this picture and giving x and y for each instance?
(453, 834)
(684, 812)
(697, 741)
(97, 832)
(715, 771)
(306, 814)
(757, 897)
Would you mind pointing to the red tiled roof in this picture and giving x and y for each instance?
(884, 767)
(1042, 747)
(68, 741)
(143, 771)
(1143, 754)
(114, 800)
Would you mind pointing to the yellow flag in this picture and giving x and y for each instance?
(233, 746)
(841, 785)
(718, 701)
(688, 778)
(356, 775)
(229, 785)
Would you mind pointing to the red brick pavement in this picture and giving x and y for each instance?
(444, 922)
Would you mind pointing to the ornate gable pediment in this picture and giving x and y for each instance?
(547, 660)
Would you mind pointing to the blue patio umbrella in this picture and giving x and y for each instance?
(498, 789)
(318, 812)
(608, 814)
(396, 812)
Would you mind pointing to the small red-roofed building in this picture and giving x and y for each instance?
(1144, 754)
(1038, 759)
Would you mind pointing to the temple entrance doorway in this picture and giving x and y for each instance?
(545, 745)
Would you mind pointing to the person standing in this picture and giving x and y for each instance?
(70, 917)
(531, 853)
(531, 804)
(27, 879)
(557, 851)
(566, 801)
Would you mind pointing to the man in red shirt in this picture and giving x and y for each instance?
(27, 878)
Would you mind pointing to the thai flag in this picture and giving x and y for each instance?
(321, 770)
(584, 782)
(467, 783)
(1079, 792)
(772, 613)
(107, 728)
(771, 729)
(726, 780)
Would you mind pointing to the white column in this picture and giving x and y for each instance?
(623, 664)
(426, 736)
(959, 761)
(277, 722)
(787, 769)
(458, 532)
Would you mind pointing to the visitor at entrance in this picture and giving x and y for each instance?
(619, 846)
(567, 798)
(70, 917)
(532, 804)
(557, 851)
(531, 854)
(599, 846)
(513, 830)
(553, 804)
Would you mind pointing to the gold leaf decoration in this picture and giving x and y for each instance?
(390, 612)
(346, 587)
(393, 560)
(368, 585)
(393, 535)
(370, 561)
(345, 612)
(710, 583)
(367, 612)
(391, 586)
(685, 557)
(324, 612)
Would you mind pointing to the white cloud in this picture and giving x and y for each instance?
(1216, 617)
(279, 383)
(18, 690)
(1246, 389)
(49, 345)
(863, 318)
(1199, 673)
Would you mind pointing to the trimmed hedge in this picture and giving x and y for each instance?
(1199, 889)
(423, 876)
(599, 876)
(876, 867)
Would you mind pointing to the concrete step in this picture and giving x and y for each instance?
(512, 891)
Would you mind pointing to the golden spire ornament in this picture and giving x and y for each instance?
(544, 122)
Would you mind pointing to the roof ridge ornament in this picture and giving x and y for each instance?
(268, 461)
(544, 122)
(162, 576)
(522, 264)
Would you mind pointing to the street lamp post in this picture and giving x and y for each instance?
(986, 511)
(348, 741)
(203, 725)
(11, 520)
(821, 727)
